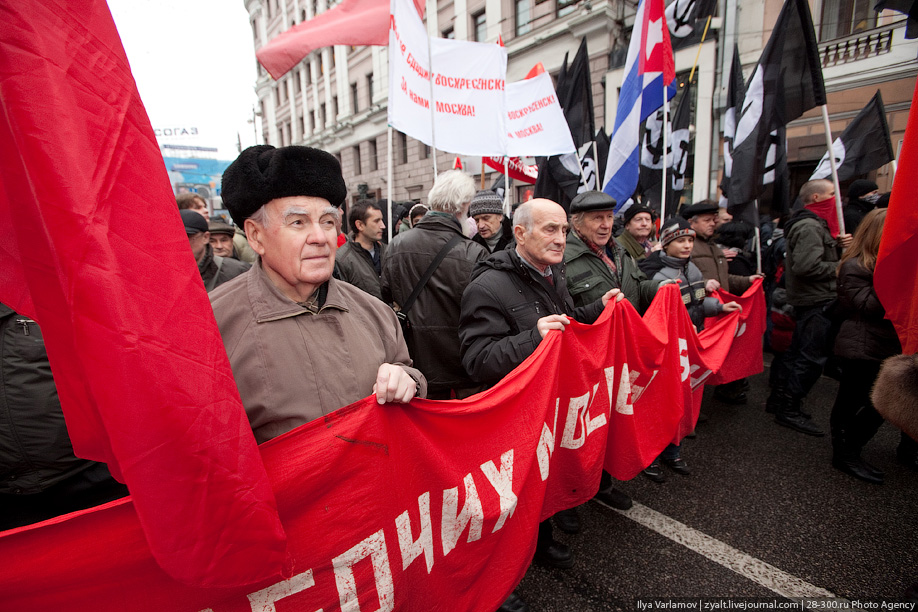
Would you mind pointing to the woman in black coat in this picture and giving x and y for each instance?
(864, 340)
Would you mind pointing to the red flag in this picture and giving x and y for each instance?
(93, 249)
(353, 22)
(897, 263)
(518, 170)
(535, 71)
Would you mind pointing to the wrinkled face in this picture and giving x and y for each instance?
(372, 228)
(596, 226)
(223, 244)
(640, 226)
(297, 244)
(488, 224)
(199, 244)
(680, 247)
(704, 224)
(544, 245)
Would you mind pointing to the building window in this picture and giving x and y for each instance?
(308, 71)
(566, 7)
(370, 88)
(312, 121)
(450, 34)
(355, 104)
(357, 169)
(334, 116)
(303, 124)
(523, 17)
(402, 148)
(297, 80)
(277, 94)
(303, 15)
(374, 161)
(479, 27)
(843, 17)
(423, 151)
(323, 116)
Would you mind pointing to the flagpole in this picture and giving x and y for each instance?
(665, 156)
(482, 173)
(506, 186)
(433, 105)
(580, 167)
(758, 239)
(389, 183)
(698, 54)
(893, 162)
(838, 202)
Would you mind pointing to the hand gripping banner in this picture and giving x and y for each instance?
(404, 507)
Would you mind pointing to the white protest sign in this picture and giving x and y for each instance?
(409, 73)
(534, 119)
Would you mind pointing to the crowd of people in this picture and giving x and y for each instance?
(461, 296)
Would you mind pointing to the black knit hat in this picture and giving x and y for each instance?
(675, 227)
(634, 210)
(263, 173)
(859, 188)
(592, 200)
(486, 202)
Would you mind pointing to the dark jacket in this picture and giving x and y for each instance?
(588, 277)
(712, 262)
(864, 333)
(35, 450)
(433, 340)
(216, 270)
(506, 236)
(661, 267)
(854, 213)
(354, 265)
(811, 260)
(500, 309)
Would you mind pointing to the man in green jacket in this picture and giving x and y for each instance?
(595, 262)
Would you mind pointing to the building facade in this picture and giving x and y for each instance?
(335, 99)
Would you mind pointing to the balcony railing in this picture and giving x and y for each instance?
(860, 45)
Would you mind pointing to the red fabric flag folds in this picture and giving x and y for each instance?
(353, 22)
(897, 264)
(140, 367)
(404, 507)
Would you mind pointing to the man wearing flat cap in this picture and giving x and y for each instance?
(215, 270)
(595, 261)
(301, 343)
(709, 257)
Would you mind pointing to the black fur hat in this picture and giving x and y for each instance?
(263, 173)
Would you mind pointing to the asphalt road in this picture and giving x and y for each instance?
(764, 514)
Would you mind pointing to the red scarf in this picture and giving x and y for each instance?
(825, 209)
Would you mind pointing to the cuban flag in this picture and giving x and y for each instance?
(649, 66)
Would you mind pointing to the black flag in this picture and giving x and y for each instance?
(734, 107)
(909, 7)
(677, 155)
(786, 83)
(865, 144)
(687, 19)
(576, 99)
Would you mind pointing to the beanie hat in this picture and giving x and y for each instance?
(263, 173)
(194, 222)
(636, 209)
(675, 227)
(592, 200)
(859, 188)
(486, 202)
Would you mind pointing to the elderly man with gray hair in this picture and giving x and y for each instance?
(301, 343)
(433, 337)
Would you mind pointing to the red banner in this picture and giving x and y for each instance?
(405, 507)
(515, 166)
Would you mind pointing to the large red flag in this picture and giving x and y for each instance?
(897, 264)
(353, 22)
(92, 247)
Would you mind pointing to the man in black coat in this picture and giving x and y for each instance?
(514, 299)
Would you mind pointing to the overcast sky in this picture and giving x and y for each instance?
(194, 64)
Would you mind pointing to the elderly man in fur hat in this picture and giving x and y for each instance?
(301, 343)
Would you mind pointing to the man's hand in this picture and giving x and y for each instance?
(612, 293)
(844, 240)
(730, 253)
(546, 324)
(732, 306)
(755, 277)
(393, 384)
(712, 285)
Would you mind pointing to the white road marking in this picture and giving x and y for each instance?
(749, 567)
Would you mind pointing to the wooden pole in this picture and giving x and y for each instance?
(838, 202)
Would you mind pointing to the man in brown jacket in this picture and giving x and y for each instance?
(301, 343)
(712, 262)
